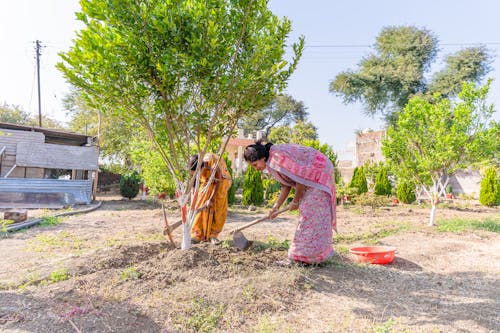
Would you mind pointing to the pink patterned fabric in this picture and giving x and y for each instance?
(291, 164)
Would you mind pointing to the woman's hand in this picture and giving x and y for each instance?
(209, 203)
(273, 213)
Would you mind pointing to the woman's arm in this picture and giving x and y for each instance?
(285, 190)
(299, 192)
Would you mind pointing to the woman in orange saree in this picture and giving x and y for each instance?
(311, 174)
(212, 197)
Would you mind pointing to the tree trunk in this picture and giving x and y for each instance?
(433, 214)
(186, 237)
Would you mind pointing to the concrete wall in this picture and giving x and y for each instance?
(466, 182)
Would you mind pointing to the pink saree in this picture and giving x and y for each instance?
(291, 164)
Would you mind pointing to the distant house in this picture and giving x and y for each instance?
(42, 167)
(367, 148)
(235, 148)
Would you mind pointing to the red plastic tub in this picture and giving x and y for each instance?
(373, 254)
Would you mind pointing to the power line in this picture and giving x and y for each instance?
(372, 45)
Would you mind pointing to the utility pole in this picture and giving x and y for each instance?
(38, 53)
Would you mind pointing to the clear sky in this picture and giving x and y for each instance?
(338, 34)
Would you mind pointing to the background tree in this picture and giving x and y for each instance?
(283, 111)
(186, 71)
(299, 133)
(15, 115)
(386, 80)
(116, 134)
(489, 194)
(129, 184)
(327, 150)
(431, 141)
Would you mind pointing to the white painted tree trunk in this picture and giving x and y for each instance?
(433, 214)
(186, 236)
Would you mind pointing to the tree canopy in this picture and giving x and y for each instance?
(386, 79)
(185, 71)
(432, 140)
(16, 115)
(282, 111)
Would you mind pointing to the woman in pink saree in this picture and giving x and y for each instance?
(311, 174)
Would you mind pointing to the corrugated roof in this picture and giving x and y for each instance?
(51, 135)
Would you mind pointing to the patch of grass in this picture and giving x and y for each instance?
(157, 236)
(45, 243)
(249, 292)
(265, 325)
(342, 249)
(459, 225)
(4, 224)
(50, 220)
(226, 244)
(130, 273)
(31, 279)
(203, 316)
(271, 243)
(371, 238)
(58, 275)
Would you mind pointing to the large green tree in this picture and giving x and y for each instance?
(299, 133)
(432, 140)
(186, 71)
(386, 79)
(16, 115)
(115, 134)
(283, 111)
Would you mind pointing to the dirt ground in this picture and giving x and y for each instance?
(112, 270)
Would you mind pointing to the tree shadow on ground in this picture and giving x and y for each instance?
(70, 311)
(404, 290)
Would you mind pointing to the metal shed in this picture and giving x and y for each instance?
(45, 168)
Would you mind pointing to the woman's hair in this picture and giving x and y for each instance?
(193, 162)
(257, 151)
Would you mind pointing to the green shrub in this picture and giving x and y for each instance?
(359, 181)
(129, 185)
(253, 190)
(489, 194)
(382, 184)
(406, 192)
(231, 193)
(271, 186)
(372, 200)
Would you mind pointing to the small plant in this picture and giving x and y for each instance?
(386, 327)
(253, 190)
(130, 185)
(50, 220)
(489, 194)
(4, 224)
(358, 180)
(59, 275)
(406, 192)
(372, 200)
(273, 244)
(204, 317)
(130, 273)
